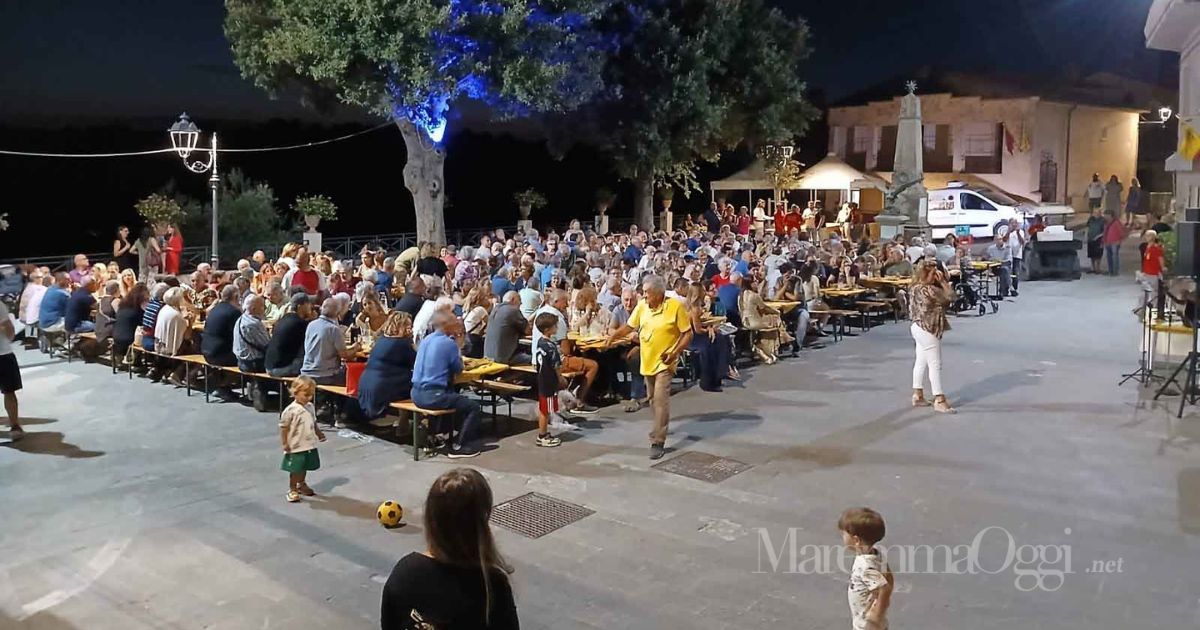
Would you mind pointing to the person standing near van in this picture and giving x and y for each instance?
(1095, 192)
(1112, 197)
(1133, 202)
(1016, 244)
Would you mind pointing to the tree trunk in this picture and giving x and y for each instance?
(643, 202)
(423, 178)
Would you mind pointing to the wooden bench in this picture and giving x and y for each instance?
(420, 415)
(532, 370)
(498, 391)
(839, 316)
(875, 307)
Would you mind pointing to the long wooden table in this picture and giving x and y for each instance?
(894, 282)
(834, 292)
(783, 307)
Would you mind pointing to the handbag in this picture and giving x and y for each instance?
(354, 372)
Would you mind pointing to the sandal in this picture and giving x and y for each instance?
(941, 406)
(919, 401)
(632, 406)
(733, 375)
(293, 496)
(306, 491)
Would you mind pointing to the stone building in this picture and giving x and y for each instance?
(1043, 148)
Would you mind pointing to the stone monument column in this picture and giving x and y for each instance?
(906, 202)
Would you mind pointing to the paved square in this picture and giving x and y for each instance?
(131, 506)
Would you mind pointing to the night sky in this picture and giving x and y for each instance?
(77, 62)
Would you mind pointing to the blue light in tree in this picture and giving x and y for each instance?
(436, 128)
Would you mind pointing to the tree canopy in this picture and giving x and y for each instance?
(412, 60)
(689, 79)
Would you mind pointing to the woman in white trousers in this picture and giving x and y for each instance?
(931, 295)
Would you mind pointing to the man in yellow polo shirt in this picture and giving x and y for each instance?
(664, 331)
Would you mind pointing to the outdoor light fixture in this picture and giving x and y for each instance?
(184, 136)
(1164, 116)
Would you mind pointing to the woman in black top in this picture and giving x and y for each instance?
(123, 252)
(429, 264)
(461, 582)
(129, 318)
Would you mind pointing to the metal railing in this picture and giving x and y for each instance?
(190, 257)
(343, 247)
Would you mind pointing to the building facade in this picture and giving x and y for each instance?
(1174, 25)
(1038, 149)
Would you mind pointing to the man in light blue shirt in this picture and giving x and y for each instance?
(325, 347)
(54, 303)
(439, 360)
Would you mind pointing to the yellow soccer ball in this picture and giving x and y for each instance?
(390, 514)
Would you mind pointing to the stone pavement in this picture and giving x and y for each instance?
(131, 506)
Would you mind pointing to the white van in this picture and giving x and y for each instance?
(959, 207)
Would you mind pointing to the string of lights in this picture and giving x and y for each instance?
(155, 151)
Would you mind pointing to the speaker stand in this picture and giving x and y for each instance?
(1187, 389)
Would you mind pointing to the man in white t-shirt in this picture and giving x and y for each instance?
(10, 374)
(1016, 244)
(1095, 192)
(760, 218)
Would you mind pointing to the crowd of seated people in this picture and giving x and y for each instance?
(308, 313)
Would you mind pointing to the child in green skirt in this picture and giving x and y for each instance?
(299, 433)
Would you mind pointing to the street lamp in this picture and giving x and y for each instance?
(184, 136)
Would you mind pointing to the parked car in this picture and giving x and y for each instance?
(981, 210)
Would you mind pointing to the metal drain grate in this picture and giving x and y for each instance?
(534, 515)
(703, 466)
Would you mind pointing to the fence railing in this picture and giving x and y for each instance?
(191, 256)
(343, 247)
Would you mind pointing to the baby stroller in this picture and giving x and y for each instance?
(971, 293)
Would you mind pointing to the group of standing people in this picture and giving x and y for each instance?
(1107, 225)
(150, 253)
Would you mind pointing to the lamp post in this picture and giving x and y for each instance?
(184, 136)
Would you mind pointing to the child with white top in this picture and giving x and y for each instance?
(870, 591)
(299, 433)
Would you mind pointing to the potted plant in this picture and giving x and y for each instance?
(604, 199)
(667, 193)
(528, 200)
(314, 208)
(159, 210)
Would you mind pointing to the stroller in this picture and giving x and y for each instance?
(971, 292)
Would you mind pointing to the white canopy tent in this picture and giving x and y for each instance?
(830, 173)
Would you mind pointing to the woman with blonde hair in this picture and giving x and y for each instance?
(931, 295)
(476, 306)
(460, 580)
(266, 273)
(585, 315)
(371, 317)
(708, 342)
(388, 375)
(764, 320)
(128, 280)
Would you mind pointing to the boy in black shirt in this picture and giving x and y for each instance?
(548, 361)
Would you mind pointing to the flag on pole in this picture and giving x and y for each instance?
(1189, 144)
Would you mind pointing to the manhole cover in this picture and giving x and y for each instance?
(535, 515)
(703, 466)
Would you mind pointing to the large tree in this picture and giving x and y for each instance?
(413, 60)
(689, 79)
